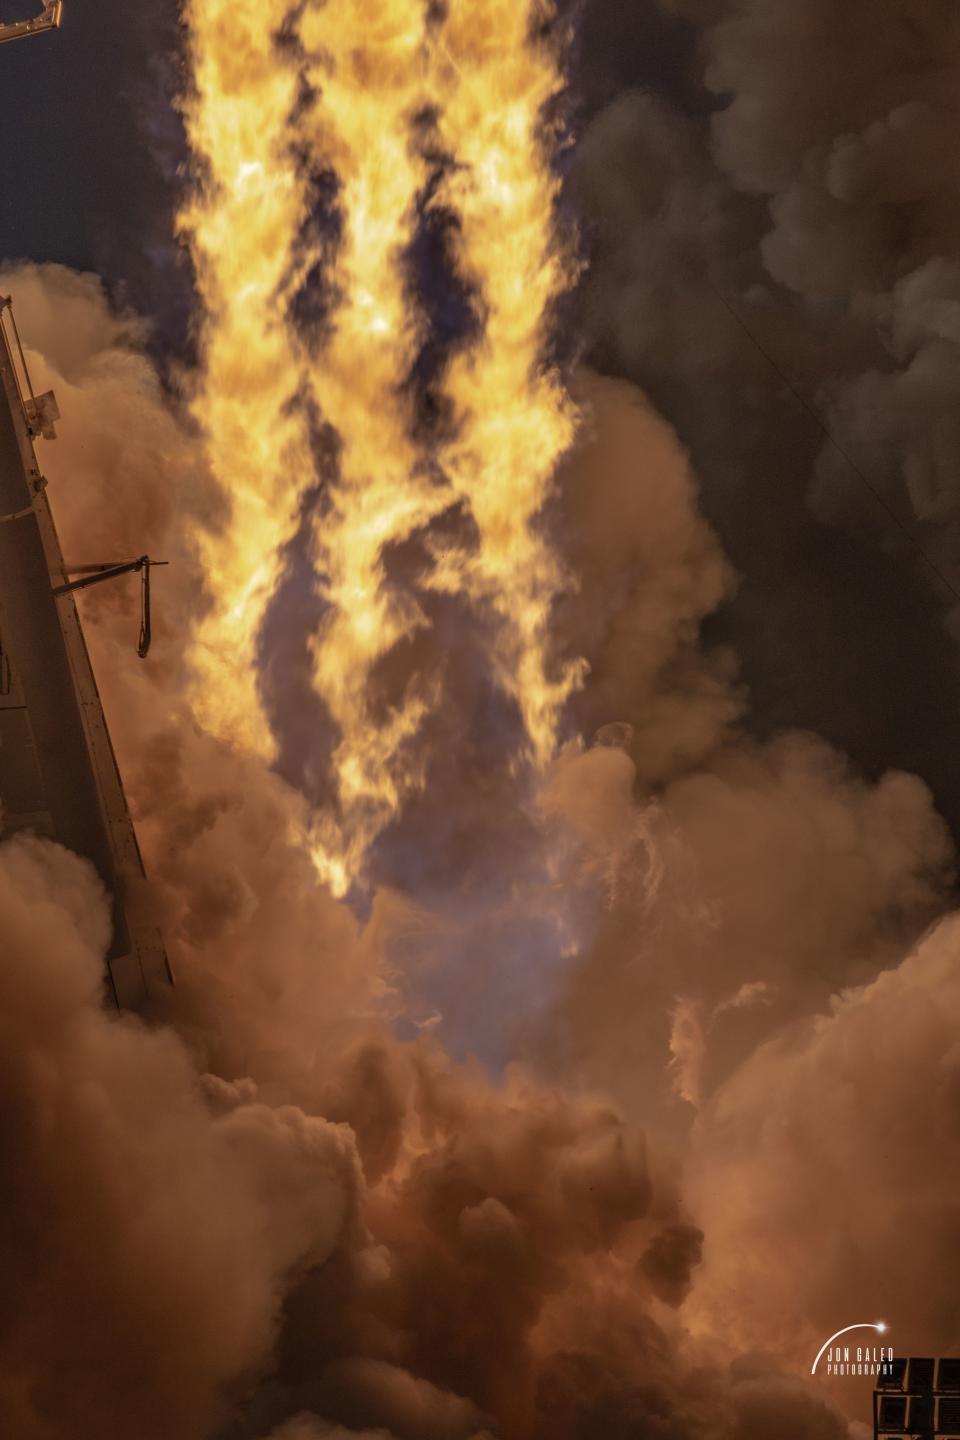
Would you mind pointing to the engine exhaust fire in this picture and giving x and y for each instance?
(242, 224)
(484, 77)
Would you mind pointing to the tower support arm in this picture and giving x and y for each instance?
(19, 29)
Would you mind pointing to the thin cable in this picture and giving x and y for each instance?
(814, 414)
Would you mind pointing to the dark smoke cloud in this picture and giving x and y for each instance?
(813, 209)
(743, 882)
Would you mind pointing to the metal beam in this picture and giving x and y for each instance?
(20, 29)
(54, 726)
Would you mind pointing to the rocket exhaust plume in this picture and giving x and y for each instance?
(242, 224)
(368, 74)
(514, 420)
(484, 77)
(512, 423)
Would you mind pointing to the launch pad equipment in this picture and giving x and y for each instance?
(58, 772)
(18, 29)
(919, 1398)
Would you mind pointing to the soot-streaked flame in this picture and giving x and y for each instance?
(242, 225)
(515, 420)
(478, 71)
(369, 77)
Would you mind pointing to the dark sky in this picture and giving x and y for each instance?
(90, 165)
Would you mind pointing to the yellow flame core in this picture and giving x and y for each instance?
(242, 225)
(369, 73)
(372, 70)
(514, 418)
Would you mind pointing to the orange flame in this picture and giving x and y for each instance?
(515, 420)
(371, 75)
(369, 72)
(242, 225)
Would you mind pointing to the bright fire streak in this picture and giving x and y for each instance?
(515, 420)
(242, 226)
(369, 76)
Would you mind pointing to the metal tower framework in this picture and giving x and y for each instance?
(19, 29)
(58, 772)
(920, 1399)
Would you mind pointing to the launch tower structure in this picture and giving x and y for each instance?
(919, 1399)
(58, 773)
(49, 20)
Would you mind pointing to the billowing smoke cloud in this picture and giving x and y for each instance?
(743, 882)
(814, 209)
(862, 215)
(503, 1281)
(147, 1240)
(271, 1216)
(750, 893)
(839, 1139)
(792, 256)
(649, 571)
